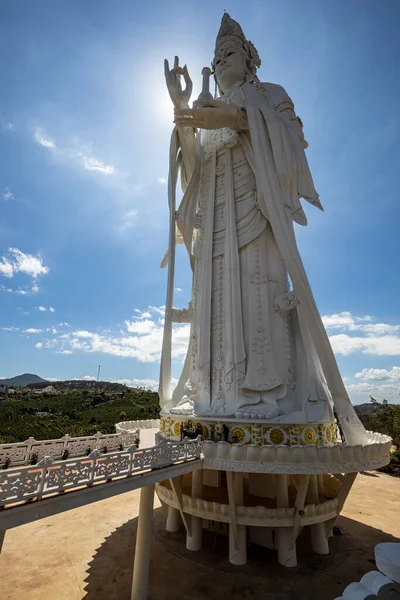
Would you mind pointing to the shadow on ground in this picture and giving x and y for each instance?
(177, 573)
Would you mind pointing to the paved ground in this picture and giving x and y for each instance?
(88, 553)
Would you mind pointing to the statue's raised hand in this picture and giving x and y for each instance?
(179, 97)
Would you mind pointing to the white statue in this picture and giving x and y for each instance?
(256, 347)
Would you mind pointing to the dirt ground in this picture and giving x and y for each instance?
(87, 553)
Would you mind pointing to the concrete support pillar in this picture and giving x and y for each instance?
(194, 539)
(2, 535)
(319, 541)
(237, 533)
(143, 544)
(173, 520)
(285, 542)
(238, 552)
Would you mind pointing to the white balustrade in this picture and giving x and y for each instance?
(22, 453)
(50, 477)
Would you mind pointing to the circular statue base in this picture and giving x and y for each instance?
(278, 481)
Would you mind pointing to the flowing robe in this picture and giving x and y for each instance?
(252, 350)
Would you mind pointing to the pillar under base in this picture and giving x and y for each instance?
(286, 547)
(319, 542)
(194, 540)
(173, 520)
(143, 544)
(285, 543)
(238, 553)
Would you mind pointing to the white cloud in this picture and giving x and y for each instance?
(93, 164)
(130, 219)
(45, 309)
(19, 262)
(12, 291)
(89, 378)
(78, 154)
(10, 328)
(39, 345)
(7, 194)
(369, 338)
(143, 314)
(178, 290)
(360, 392)
(44, 140)
(33, 330)
(163, 180)
(345, 320)
(141, 338)
(28, 264)
(6, 267)
(379, 374)
(388, 345)
(140, 326)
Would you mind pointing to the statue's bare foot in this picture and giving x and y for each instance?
(184, 407)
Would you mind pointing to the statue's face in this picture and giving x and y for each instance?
(229, 66)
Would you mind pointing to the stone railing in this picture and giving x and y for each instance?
(298, 459)
(49, 477)
(23, 453)
(382, 584)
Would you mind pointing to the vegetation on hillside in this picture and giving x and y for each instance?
(77, 412)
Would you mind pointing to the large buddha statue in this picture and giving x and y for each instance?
(257, 348)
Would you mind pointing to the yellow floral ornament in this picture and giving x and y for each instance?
(177, 428)
(238, 434)
(309, 436)
(276, 436)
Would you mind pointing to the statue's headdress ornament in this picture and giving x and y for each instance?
(230, 30)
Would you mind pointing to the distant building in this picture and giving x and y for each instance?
(50, 390)
(3, 389)
(11, 391)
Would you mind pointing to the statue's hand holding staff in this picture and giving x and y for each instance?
(208, 114)
(179, 97)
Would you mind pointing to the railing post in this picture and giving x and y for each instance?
(97, 442)
(185, 446)
(93, 456)
(131, 450)
(66, 440)
(43, 464)
(198, 449)
(29, 441)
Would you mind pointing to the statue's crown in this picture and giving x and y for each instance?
(231, 30)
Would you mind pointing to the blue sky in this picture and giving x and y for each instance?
(85, 122)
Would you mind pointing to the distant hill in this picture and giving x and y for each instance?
(367, 408)
(22, 380)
